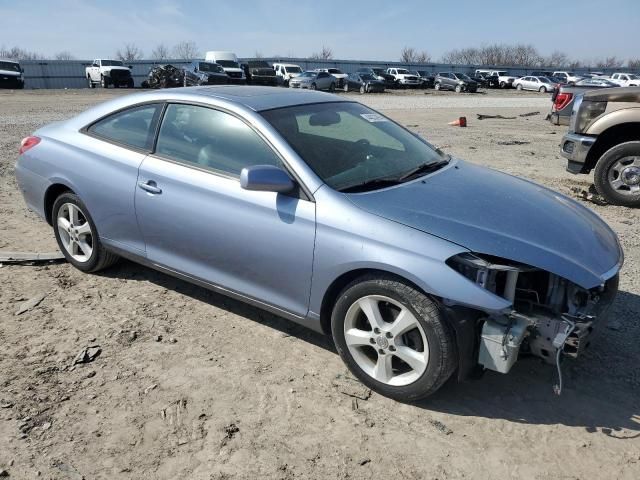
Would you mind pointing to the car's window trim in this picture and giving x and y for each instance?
(160, 103)
(303, 190)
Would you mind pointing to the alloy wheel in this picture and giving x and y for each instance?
(75, 232)
(624, 176)
(386, 340)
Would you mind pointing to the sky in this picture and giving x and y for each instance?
(352, 29)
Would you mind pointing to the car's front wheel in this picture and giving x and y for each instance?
(91, 84)
(437, 86)
(519, 86)
(543, 90)
(393, 338)
(617, 175)
(104, 83)
(77, 236)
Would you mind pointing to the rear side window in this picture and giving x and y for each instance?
(134, 127)
(211, 139)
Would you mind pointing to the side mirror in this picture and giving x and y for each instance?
(266, 178)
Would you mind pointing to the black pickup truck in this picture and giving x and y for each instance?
(259, 72)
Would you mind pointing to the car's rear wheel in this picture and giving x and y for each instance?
(77, 236)
(437, 86)
(332, 87)
(519, 86)
(393, 338)
(104, 83)
(543, 90)
(458, 88)
(617, 175)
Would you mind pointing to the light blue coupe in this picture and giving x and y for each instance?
(330, 214)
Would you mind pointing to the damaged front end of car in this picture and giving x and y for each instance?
(550, 316)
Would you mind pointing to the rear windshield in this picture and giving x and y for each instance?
(227, 63)
(210, 67)
(12, 67)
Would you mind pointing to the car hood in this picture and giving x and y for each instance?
(496, 214)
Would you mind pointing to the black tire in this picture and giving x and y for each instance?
(346, 87)
(442, 357)
(437, 86)
(312, 86)
(603, 169)
(100, 258)
(332, 87)
(363, 89)
(104, 83)
(519, 86)
(91, 84)
(503, 85)
(458, 88)
(543, 90)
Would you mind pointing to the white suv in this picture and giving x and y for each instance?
(404, 77)
(626, 79)
(286, 71)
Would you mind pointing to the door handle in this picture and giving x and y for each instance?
(150, 186)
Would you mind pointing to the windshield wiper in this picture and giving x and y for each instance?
(422, 170)
(370, 185)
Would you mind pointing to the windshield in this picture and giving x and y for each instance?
(111, 63)
(293, 69)
(210, 67)
(349, 145)
(462, 76)
(227, 63)
(307, 74)
(366, 76)
(12, 67)
(333, 70)
(378, 71)
(403, 71)
(258, 64)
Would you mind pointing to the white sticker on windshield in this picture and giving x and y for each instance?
(373, 117)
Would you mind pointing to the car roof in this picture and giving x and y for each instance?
(7, 60)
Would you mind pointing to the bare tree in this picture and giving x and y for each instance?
(186, 50)
(17, 53)
(129, 53)
(325, 54)
(634, 63)
(423, 57)
(161, 52)
(609, 62)
(408, 55)
(557, 59)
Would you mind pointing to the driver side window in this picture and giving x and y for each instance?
(211, 139)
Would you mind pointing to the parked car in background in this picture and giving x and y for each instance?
(314, 80)
(259, 72)
(537, 84)
(204, 73)
(458, 82)
(567, 77)
(565, 95)
(325, 212)
(335, 73)
(164, 76)
(404, 78)
(364, 83)
(380, 74)
(229, 62)
(108, 72)
(504, 79)
(286, 71)
(426, 79)
(486, 80)
(11, 74)
(604, 136)
(626, 79)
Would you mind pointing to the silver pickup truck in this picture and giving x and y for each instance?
(604, 135)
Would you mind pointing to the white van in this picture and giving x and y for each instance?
(286, 71)
(229, 63)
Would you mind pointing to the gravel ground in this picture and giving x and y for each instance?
(190, 384)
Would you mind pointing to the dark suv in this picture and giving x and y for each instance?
(458, 82)
(204, 73)
(379, 74)
(259, 72)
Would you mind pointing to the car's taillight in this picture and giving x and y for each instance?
(562, 100)
(28, 143)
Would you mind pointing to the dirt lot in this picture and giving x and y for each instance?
(190, 384)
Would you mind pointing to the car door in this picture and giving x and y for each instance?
(198, 221)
